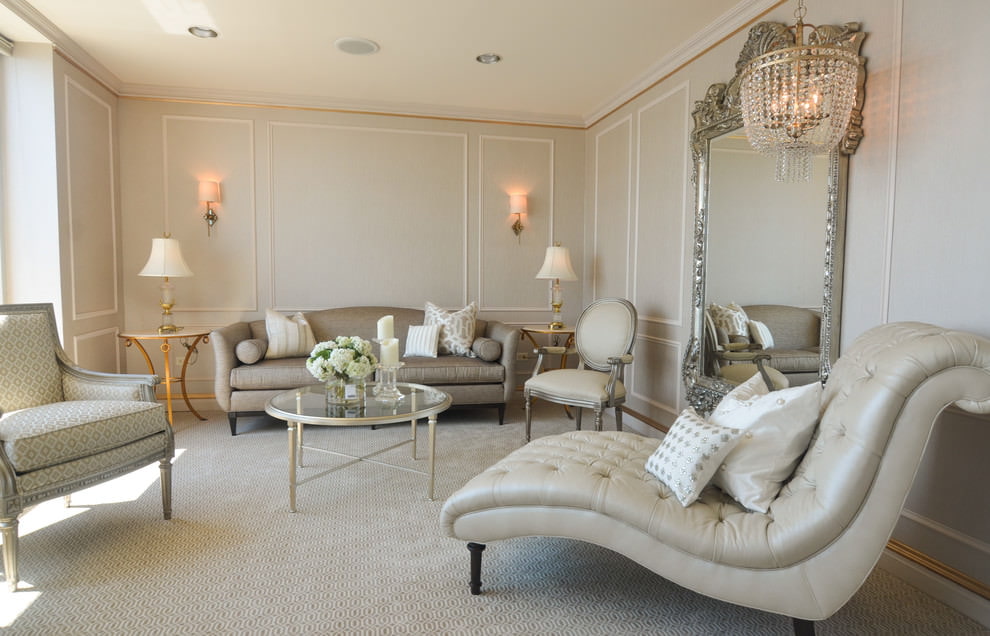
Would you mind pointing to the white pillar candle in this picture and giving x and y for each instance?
(389, 352)
(386, 328)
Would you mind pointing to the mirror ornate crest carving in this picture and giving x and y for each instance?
(720, 113)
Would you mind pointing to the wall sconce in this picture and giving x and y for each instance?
(209, 192)
(166, 262)
(518, 206)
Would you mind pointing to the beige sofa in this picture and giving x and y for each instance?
(796, 335)
(822, 534)
(795, 353)
(243, 389)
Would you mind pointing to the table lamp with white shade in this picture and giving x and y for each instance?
(166, 261)
(557, 266)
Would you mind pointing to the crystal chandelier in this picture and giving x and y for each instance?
(796, 101)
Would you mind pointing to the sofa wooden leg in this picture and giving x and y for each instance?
(501, 414)
(232, 419)
(804, 627)
(476, 549)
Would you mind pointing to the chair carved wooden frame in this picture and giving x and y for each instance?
(603, 339)
(64, 428)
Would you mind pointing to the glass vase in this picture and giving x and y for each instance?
(346, 392)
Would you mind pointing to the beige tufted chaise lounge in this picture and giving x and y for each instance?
(822, 535)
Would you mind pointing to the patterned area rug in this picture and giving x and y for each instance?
(364, 554)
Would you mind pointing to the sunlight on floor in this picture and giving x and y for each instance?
(13, 604)
(124, 488)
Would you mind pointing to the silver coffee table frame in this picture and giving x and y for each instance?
(307, 405)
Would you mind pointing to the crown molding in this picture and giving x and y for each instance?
(728, 24)
(740, 16)
(65, 45)
(310, 102)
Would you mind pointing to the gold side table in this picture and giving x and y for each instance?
(196, 335)
(531, 331)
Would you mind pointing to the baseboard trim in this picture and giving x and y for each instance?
(937, 585)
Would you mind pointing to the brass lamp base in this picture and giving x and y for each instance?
(556, 325)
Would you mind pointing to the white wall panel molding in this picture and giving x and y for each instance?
(397, 227)
(91, 202)
(653, 372)
(98, 341)
(895, 98)
(599, 171)
(224, 263)
(951, 534)
(495, 238)
(677, 97)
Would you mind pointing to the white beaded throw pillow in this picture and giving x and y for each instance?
(456, 328)
(690, 454)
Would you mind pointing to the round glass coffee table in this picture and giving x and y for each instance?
(308, 405)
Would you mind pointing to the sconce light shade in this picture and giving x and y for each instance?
(557, 264)
(209, 191)
(517, 204)
(165, 260)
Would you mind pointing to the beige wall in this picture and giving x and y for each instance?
(917, 222)
(323, 209)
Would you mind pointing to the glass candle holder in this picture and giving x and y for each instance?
(386, 391)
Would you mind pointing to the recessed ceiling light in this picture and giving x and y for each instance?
(489, 58)
(356, 46)
(202, 32)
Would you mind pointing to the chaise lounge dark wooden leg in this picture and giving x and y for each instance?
(476, 549)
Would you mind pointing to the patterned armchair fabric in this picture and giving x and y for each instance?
(63, 428)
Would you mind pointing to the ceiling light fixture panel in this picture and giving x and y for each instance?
(489, 58)
(356, 46)
(203, 32)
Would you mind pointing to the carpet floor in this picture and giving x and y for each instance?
(364, 554)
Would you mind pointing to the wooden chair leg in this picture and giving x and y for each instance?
(598, 419)
(529, 415)
(618, 418)
(8, 530)
(577, 418)
(804, 627)
(165, 469)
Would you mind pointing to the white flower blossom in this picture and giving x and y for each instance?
(345, 357)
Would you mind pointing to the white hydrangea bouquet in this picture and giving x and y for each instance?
(344, 358)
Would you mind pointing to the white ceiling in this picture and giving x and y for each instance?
(563, 61)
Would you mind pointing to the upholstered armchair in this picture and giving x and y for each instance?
(63, 428)
(603, 339)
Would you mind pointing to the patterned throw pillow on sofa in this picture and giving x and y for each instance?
(456, 328)
(733, 319)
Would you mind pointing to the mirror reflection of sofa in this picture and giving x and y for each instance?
(789, 335)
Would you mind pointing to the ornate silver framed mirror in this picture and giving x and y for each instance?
(758, 241)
